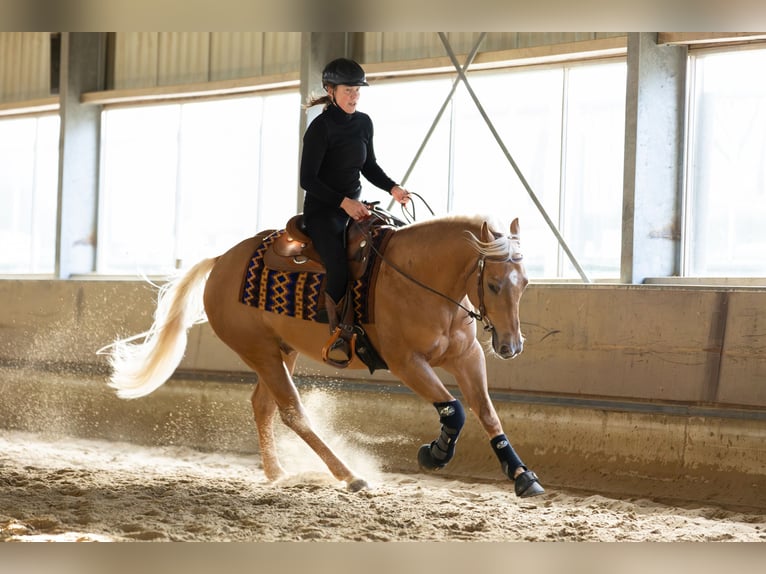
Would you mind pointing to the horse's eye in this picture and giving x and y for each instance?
(494, 287)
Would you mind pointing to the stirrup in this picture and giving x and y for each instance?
(338, 334)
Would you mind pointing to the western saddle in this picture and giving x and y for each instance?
(294, 250)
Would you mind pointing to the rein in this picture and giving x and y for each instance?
(480, 264)
(410, 216)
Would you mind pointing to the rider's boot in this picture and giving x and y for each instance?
(338, 350)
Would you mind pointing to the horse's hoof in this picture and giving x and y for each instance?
(358, 484)
(527, 485)
(275, 475)
(426, 459)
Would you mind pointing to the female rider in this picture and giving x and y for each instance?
(337, 148)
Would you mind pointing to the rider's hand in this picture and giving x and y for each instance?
(400, 194)
(356, 209)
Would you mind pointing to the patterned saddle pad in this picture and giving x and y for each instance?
(300, 293)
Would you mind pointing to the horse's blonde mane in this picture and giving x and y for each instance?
(501, 247)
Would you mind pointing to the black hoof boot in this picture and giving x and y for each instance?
(426, 459)
(527, 485)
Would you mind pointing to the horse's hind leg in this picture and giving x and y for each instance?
(264, 409)
(280, 394)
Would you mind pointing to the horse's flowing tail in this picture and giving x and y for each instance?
(140, 368)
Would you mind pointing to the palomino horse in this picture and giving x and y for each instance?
(431, 277)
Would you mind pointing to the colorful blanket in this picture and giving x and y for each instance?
(299, 293)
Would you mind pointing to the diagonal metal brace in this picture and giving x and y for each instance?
(524, 182)
(437, 119)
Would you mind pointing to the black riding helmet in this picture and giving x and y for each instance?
(343, 71)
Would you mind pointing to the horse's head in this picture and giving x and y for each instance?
(502, 280)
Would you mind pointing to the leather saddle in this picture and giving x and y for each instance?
(293, 250)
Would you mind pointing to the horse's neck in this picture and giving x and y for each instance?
(440, 251)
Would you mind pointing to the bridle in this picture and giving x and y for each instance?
(481, 263)
(482, 315)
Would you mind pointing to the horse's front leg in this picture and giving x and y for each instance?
(417, 374)
(470, 372)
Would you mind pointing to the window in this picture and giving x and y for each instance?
(564, 127)
(28, 194)
(726, 184)
(593, 160)
(402, 113)
(526, 110)
(186, 181)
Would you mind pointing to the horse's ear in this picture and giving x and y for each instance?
(486, 234)
(515, 228)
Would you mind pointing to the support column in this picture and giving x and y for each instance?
(654, 153)
(82, 70)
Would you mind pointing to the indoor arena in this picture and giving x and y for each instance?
(155, 387)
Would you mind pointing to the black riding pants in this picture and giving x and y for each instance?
(327, 229)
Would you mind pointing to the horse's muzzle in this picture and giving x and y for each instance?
(507, 349)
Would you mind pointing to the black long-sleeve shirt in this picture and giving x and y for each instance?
(337, 148)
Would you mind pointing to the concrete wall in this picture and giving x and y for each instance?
(694, 345)
(646, 343)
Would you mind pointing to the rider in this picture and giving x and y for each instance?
(337, 147)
